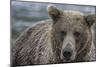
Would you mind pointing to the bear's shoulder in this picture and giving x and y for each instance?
(35, 31)
(40, 24)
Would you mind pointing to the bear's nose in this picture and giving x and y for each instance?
(67, 53)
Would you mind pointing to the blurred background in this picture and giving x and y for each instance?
(24, 14)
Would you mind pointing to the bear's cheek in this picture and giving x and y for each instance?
(59, 42)
(81, 42)
(78, 44)
(77, 47)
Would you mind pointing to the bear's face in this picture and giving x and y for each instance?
(72, 33)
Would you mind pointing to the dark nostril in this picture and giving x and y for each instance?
(67, 54)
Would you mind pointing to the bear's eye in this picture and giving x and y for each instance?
(63, 33)
(77, 34)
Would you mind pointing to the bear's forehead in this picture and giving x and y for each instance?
(70, 27)
(73, 18)
(73, 13)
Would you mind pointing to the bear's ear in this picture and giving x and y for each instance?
(54, 12)
(90, 19)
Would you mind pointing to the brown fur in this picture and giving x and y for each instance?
(42, 43)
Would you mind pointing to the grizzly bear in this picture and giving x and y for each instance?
(65, 37)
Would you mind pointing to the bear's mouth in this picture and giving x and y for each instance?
(66, 60)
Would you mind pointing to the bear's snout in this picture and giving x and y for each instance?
(67, 53)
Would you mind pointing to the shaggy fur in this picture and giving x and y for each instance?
(43, 43)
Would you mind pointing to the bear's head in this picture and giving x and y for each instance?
(71, 32)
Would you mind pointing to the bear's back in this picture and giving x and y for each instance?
(33, 45)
